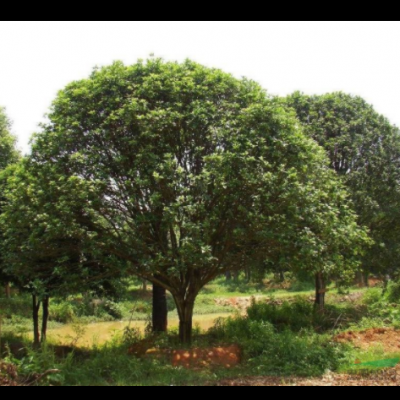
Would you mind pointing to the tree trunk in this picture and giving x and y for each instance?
(360, 279)
(144, 287)
(282, 276)
(366, 279)
(320, 292)
(36, 334)
(248, 275)
(160, 309)
(228, 276)
(8, 290)
(236, 276)
(45, 320)
(185, 312)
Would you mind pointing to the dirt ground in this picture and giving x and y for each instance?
(227, 357)
(385, 378)
(8, 375)
(388, 338)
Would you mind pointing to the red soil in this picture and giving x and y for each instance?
(227, 357)
(388, 338)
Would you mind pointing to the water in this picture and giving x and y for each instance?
(100, 333)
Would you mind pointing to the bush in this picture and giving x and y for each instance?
(295, 316)
(298, 315)
(280, 353)
(383, 308)
(112, 309)
(373, 296)
(393, 292)
(62, 312)
(20, 306)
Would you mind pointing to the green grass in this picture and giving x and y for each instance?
(287, 339)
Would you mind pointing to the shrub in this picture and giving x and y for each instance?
(373, 296)
(393, 291)
(62, 312)
(280, 353)
(112, 309)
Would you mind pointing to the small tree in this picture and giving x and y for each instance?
(44, 252)
(190, 173)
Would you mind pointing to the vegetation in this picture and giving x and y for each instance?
(213, 192)
(8, 156)
(364, 150)
(179, 173)
(285, 340)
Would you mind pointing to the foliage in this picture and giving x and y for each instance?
(364, 149)
(300, 315)
(284, 353)
(8, 152)
(187, 172)
(393, 291)
(383, 307)
(8, 156)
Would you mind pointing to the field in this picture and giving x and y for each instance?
(279, 339)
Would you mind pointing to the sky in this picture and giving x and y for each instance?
(37, 59)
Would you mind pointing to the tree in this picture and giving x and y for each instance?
(189, 173)
(8, 155)
(43, 250)
(8, 151)
(364, 150)
(160, 309)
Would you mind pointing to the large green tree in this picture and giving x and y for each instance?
(189, 172)
(364, 150)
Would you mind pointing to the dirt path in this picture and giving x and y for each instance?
(386, 378)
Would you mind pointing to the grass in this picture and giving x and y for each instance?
(286, 338)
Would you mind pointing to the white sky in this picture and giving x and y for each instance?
(39, 58)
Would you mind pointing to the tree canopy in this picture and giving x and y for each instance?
(8, 155)
(44, 250)
(8, 152)
(187, 172)
(364, 149)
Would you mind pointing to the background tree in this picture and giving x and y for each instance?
(43, 249)
(8, 155)
(364, 150)
(191, 173)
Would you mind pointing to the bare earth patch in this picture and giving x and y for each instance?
(388, 338)
(196, 358)
(226, 357)
(8, 375)
(387, 378)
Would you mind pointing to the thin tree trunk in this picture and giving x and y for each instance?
(320, 292)
(160, 309)
(360, 279)
(228, 276)
(36, 334)
(144, 286)
(366, 279)
(248, 275)
(8, 290)
(45, 319)
(185, 312)
(282, 276)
